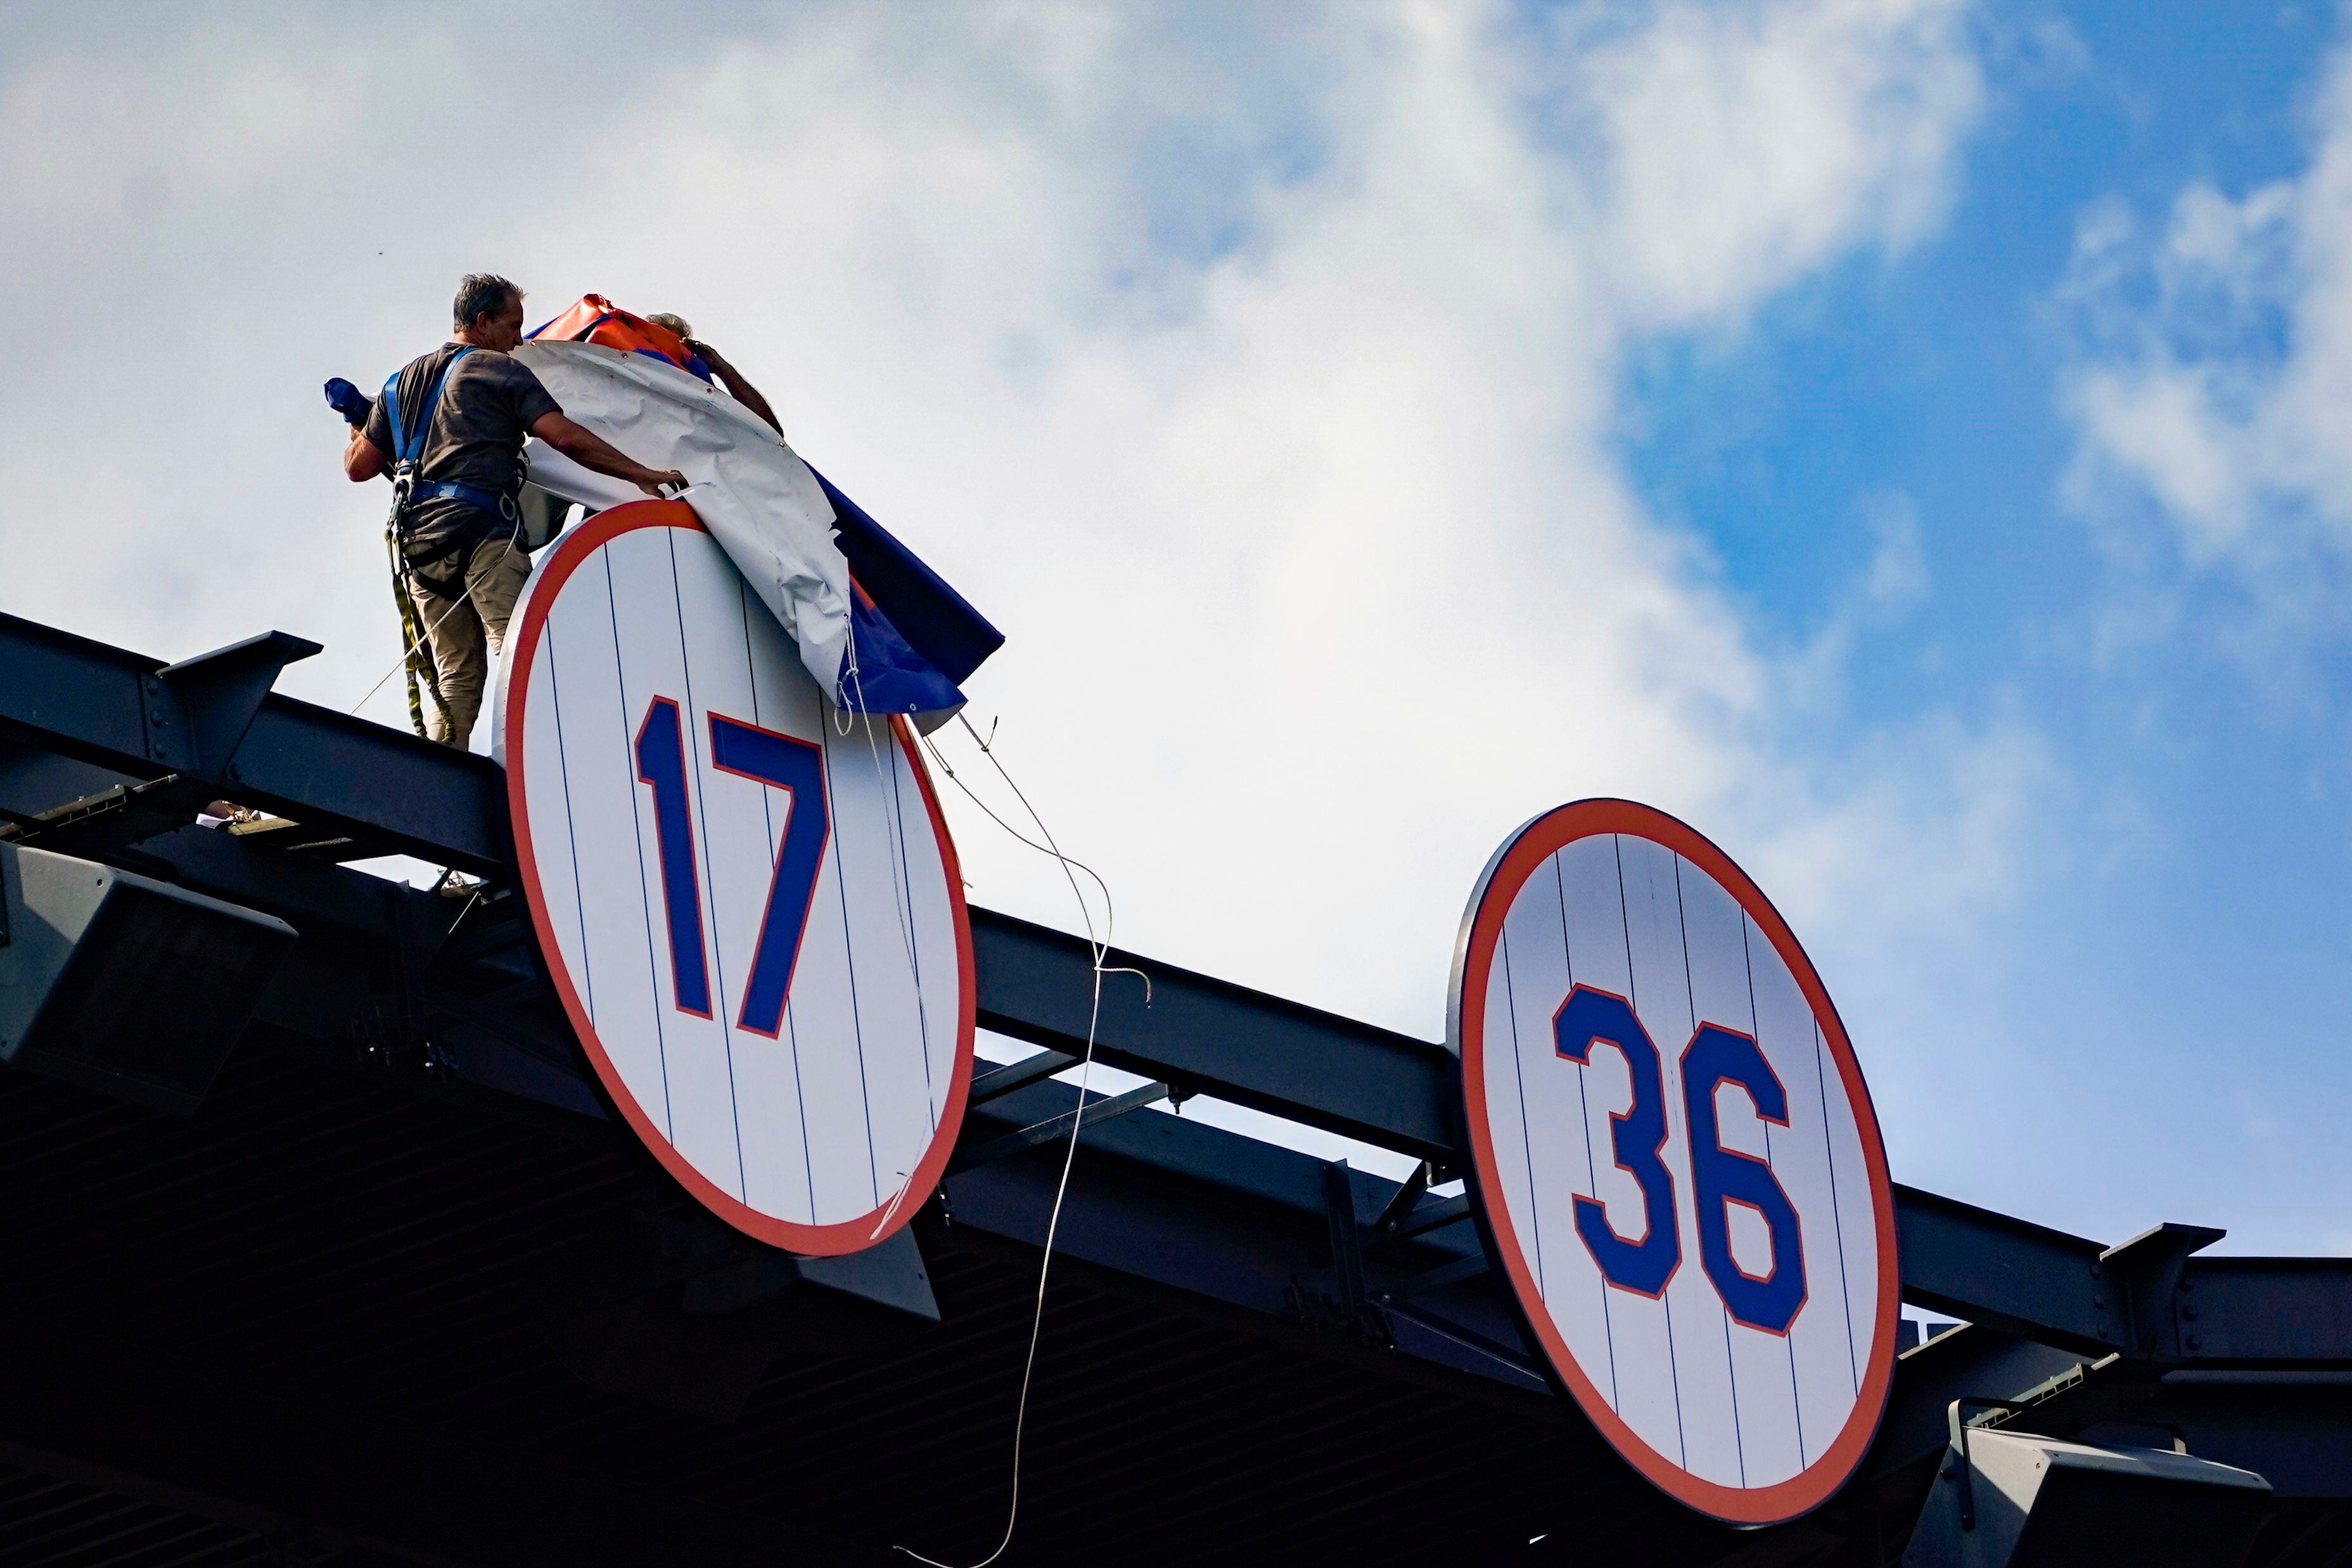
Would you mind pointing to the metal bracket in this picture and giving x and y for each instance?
(1002, 1081)
(2141, 1281)
(199, 709)
(1419, 1182)
(1431, 1216)
(1054, 1127)
(1346, 1252)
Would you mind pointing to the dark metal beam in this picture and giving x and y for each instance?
(1172, 1204)
(2294, 1430)
(2003, 1273)
(2266, 1311)
(1054, 1129)
(987, 1086)
(132, 715)
(322, 767)
(127, 715)
(1207, 1036)
(2147, 1299)
(1432, 1216)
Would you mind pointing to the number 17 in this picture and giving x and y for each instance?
(781, 762)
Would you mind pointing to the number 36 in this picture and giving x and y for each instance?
(1719, 1178)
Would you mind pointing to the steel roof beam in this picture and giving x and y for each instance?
(135, 716)
(1208, 1036)
(99, 706)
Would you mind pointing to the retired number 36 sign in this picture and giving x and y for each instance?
(1677, 1166)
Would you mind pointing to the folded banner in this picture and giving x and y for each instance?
(879, 632)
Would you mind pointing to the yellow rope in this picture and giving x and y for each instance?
(419, 661)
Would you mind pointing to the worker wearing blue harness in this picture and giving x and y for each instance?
(450, 430)
(410, 491)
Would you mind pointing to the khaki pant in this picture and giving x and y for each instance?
(465, 633)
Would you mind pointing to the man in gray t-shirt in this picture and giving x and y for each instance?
(461, 557)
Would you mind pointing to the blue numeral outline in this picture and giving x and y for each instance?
(796, 766)
(1721, 1178)
(1644, 1265)
(660, 753)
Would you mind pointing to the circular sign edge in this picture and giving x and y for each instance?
(1529, 846)
(840, 1236)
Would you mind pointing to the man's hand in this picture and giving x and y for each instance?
(654, 478)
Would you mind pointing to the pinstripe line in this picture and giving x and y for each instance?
(571, 825)
(709, 883)
(767, 815)
(1755, 1028)
(1634, 999)
(1584, 1111)
(848, 948)
(1845, 1281)
(1526, 1145)
(637, 821)
(800, 1097)
(914, 939)
(1690, 999)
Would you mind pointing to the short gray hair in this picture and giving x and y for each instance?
(672, 320)
(481, 293)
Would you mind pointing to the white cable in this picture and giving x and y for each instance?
(1100, 949)
(1109, 915)
(422, 637)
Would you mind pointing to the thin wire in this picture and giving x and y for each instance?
(1108, 914)
(1100, 948)
(410, 652)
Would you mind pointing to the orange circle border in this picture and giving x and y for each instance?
(809, 1240)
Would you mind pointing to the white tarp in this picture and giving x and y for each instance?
(755, 495)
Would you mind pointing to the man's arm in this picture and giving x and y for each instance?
(363, 460)
(592, 451)
(745, 392)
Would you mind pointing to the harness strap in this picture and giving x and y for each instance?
(498, 505)
(408, 446)
(408, 441)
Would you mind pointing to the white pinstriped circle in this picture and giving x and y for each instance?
(1747, 1415)
(808, 1138)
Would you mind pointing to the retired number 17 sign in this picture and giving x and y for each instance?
(748, 899)
(1677, 1165)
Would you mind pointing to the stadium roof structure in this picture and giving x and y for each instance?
(387, 1282)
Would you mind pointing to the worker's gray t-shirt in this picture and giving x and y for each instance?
(488, 405)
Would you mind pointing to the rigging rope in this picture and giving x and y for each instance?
(1100, 949)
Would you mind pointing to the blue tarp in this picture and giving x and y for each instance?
(914, 639)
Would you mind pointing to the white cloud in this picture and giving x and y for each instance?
(1258, 378)
(1746, 143)
(2209, 379)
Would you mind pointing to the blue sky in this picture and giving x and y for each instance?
(1898, 436)
(2177, 973)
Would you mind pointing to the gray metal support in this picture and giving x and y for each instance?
(1207, 1036)
(199, 710)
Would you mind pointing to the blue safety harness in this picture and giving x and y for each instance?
(408, 457)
